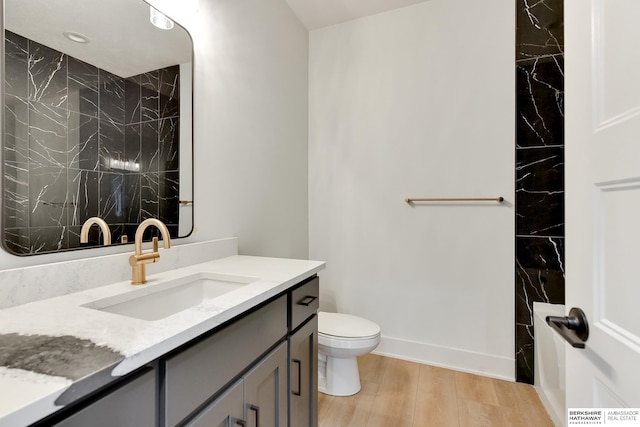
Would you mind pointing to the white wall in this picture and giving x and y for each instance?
(251, 137)
(418, 102)
(250, 130)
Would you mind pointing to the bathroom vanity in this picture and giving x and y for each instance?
(247, 357)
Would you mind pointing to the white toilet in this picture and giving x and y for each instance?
(341, 338)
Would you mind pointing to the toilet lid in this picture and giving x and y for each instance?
(346, 326)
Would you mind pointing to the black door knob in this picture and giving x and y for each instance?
(574, 328)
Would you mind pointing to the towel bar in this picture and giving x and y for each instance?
(456, 199)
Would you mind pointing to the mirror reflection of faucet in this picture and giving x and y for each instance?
(138, 260)
(106, 232)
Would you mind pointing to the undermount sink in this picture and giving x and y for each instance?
(157, 301)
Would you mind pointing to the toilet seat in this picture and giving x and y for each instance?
(345, 327)
(362, 344)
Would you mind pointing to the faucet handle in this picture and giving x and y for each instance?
(155, 244)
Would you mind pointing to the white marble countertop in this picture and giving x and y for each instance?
(27, 396)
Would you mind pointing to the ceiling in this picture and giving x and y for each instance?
(123, 41)
(120, 28)
(322, 13)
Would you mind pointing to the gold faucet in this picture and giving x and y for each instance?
(106, 232)
(139, 260)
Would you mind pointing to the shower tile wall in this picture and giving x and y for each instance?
(539, 168)
(82, 142)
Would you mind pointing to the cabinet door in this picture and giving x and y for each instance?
(225, 411)
(200, 371)
(303, 381)
(132, 405)
(266, 390)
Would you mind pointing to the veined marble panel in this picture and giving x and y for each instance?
(16, 65)
(132, 182)
(48, 199)
(17, 240)
(47, 135)
(149, 143)
(112, 98)
(524, 353)
(540, 28)
(169, 197)
(133, 100)
(132, 136)
(111, 146)
(84, 195)
(540, 191)
(169, 91)
(83, 87)
(83, 142)
(47, 75)
(16, 130)
(113, 201)
(168, 144)
(16, 196)
(543, 282)
(150, 102)
(539, 168)
(540, 102)
(149, 197)
(43, 239)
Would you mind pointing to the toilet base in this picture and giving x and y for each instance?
(341, 377)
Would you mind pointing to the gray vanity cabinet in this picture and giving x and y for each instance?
(303, 356)
(132, 405)
(265, 390)
(225, 411)
(257, 370)
(258, 399)
(199, 372)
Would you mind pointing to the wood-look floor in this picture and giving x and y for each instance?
(397, 393)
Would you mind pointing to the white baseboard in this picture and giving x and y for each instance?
(451, 358)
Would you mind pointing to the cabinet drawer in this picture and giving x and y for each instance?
(304, 302)
(200, 371)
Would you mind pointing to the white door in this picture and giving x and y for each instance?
(602, 83)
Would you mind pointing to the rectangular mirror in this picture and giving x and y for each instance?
(97, 123)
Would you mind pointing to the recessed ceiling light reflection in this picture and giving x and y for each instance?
(76, 37)
(158, 19)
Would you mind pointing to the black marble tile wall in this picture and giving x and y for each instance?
(83, 81)
(539, 169)
(80, 142)
(16, 65)
(150, 105)
(168, 206)
(47, 75)
(169, 90)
